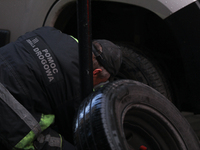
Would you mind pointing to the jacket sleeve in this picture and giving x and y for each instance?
(51, 140)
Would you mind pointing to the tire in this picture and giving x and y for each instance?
(126, 115)
(137, 66)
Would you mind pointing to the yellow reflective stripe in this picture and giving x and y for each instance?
(46, 121)
(61, 141)
(26, 142)
(100, 87)
(74, 38)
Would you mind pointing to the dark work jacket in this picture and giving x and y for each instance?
(41, 71)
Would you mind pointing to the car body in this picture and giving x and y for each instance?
(166, 30)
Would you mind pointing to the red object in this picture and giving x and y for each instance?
(143, 148)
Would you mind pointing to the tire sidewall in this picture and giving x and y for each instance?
(121, 96)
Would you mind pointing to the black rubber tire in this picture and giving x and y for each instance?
(125, 115)
(139, 67)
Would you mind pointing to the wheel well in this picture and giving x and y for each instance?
(134, 25)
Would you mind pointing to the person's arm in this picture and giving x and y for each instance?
(51, 140)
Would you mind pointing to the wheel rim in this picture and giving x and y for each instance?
(144, 126)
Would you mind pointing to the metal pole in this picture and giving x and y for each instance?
(85, 46)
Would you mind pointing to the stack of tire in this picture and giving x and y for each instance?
(130, 115)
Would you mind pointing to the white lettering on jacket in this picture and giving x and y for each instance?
(45, 58)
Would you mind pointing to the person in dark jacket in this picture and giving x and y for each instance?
(40, 87)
